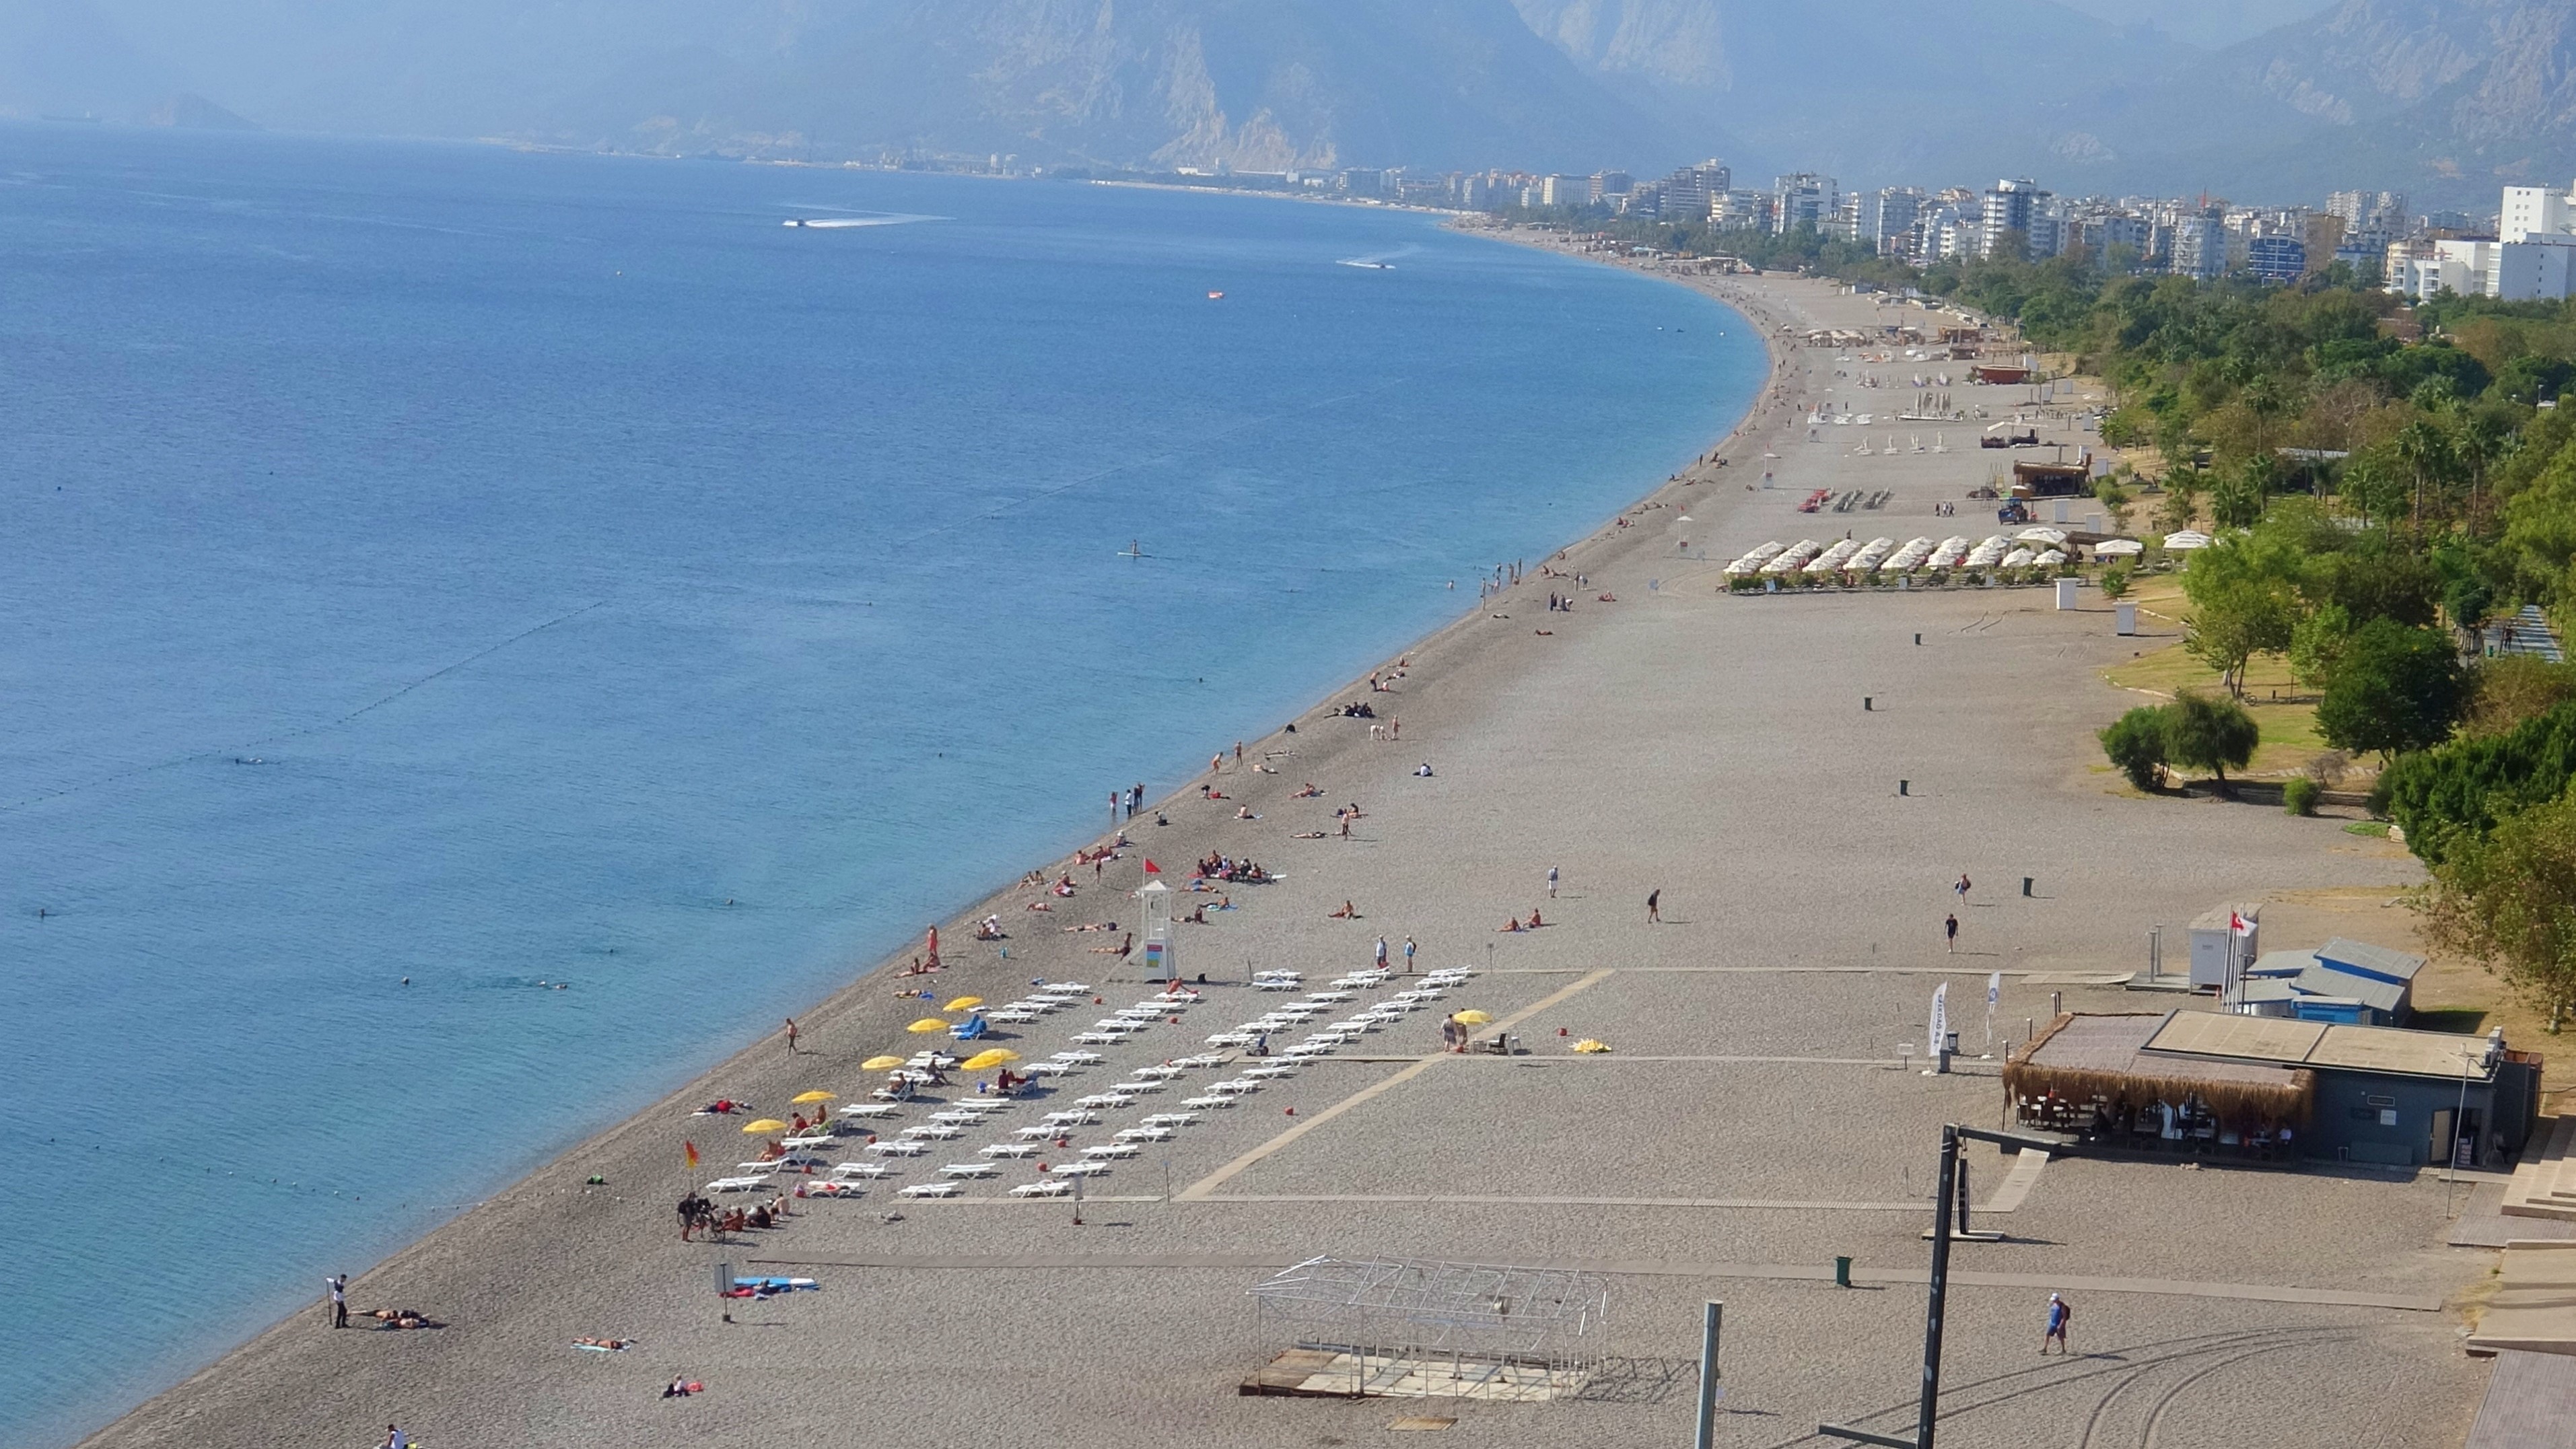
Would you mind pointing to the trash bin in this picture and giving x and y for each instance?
(1842, 1271)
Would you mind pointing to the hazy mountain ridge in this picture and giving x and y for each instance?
(2440, 97)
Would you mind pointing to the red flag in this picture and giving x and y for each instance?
(1151, 868)
(691, 1149)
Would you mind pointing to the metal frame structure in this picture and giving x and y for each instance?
(1483, 1321)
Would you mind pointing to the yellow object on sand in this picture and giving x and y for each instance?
(880, 1064)
(1473, 1018)
(927, 1024)
(985, 1061)
(964, 1003)
(1588, 1046)
(765, 1124)
(811, 1097)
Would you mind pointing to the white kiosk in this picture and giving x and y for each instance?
(1155, 900)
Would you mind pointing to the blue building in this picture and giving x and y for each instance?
(2340, 981)
(2276, 258)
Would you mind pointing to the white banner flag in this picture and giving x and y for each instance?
(1940, 1018)
(1994, 990)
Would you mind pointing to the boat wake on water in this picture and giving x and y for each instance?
(874, 218)
(1381, 262)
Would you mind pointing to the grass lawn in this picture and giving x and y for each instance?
(2285, 709)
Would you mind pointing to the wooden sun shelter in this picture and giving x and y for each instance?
(2092, 1073)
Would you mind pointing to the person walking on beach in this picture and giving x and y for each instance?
(1381, 953)
(338, 1283)
(394, 1439)
(2058, 1316)
(791, 1036)
(1551, 882)
(1961, 889)
(1654, 905)
(1950, 929)
(1408, 955)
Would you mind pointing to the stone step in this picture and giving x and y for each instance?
(2534, 1190)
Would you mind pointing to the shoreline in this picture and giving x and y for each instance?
(1748, 1120)
(843, 1009)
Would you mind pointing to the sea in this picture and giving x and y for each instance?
(489, 633)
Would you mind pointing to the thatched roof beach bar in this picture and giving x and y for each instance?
(2211, 1083)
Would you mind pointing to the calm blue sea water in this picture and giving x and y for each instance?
(444, 562)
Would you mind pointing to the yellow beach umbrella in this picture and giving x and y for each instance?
(802, 1097)
(964, 1003)
(927, 1024)
(880, 1064)
(985, 1061)
(765, 1124)
(1473, 1018)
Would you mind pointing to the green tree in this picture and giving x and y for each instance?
(2395, 688)
(2210, 734)
(2510, 900)
(2243, 603)
(2236, 500)
(2116, 502)
(2135, 743)
(2449, 798)
(2317, 643)
(2115, 582)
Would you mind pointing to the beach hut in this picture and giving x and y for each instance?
(2091, 1076)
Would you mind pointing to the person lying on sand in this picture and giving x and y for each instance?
(1307, 835)
(1040, 906)
(681, 1388)
(1311, 792)
(1511, 926)
(611, 1345)
(1348, 912)
(1244, 812)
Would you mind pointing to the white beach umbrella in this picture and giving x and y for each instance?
(2188, 538)
(2118, 548)
(2042, 533)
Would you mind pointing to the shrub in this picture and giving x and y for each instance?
(2115, 582)
(2135, 743)
(2299, 797)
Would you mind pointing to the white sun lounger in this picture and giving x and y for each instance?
(1231, 1038)
(1234, 1087)
(1011, 1149)
(1081, 1059)
(737, 1184)
(1208, 1101)
(1203, 1059)
(899, 1147)
(1157, 1073)
(1070, 1117)
(1039, 1133)
(929, 1189)
(1172, 1119)
(873, 1111)
(1109, 1099)
(1145, 1134)
(1098, 1038)
(1048, 1187)
(1051, 1069)
(1131, 1089)
(933, 1131)
(755, 1169)
(860, 1169)
(1269, 1073)
(968, 1169)
(835, 1187)
(1089, 1167)
(1108, 1150)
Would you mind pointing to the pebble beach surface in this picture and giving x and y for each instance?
(1756, 1115)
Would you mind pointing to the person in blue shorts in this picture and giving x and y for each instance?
(2058, 1314)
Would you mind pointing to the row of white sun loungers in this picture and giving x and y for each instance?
(950, 1122)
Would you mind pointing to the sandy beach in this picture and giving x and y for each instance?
(1757, 1113)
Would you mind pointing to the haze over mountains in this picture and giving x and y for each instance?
(2442, 98)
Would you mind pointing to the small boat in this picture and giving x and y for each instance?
(1216, 296)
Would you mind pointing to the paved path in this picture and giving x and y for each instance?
(1659, 1268)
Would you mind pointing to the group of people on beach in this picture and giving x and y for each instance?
(698, 1215)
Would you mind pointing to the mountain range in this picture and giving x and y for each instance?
(2444, 99)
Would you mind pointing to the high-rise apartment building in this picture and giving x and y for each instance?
(1804, 199)
(2009, 206)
